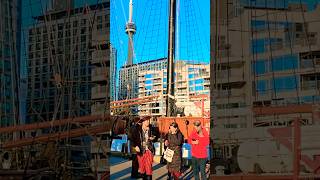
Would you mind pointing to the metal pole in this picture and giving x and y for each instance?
(171, 50)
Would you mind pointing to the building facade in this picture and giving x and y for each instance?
(264, 57)
(190, 80)
(113, 74)
(10, 28)
(128, 77)
(67, 57)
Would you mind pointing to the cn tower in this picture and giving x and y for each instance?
(130, 30)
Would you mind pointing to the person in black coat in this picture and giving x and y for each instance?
(135, 164)
(143, 136)
(174, 142)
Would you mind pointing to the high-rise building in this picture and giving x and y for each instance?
(129, 78)
(10, 27)
(131, 73)
(265, 57)
(67, 51)
(68, 69)
(190, 80)
(113, 74)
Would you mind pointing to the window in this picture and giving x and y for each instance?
(99, 22)
(199, 81)
(83, 22)
(287, 62)
(199, 88)
(262, 86)
(165, 80)
(288, 83)
(148, 76)
(191, 76)
(260, 67)
(262, 45)
(257, 46)
(75, 23)
(148, 82)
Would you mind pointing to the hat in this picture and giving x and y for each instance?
(144, 118)
(197, 123)
(174, 124)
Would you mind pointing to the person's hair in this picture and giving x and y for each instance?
(197, 123)
(174, 124)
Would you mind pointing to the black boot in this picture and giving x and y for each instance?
(149, 177)
(144, 177)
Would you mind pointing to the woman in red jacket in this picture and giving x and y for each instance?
(199, 140)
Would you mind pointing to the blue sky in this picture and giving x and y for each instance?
(150, 40)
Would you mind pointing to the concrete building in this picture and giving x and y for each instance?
(68, 57)
(10, 28)
(263, 57)
(68, 70)
(126, 72)
(113, 74)
(100, 72)
(190, 80)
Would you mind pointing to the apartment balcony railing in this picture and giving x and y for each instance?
(234, 75)
(97, 109)
(100, 56)
(99, 92)
(242, 111)
(308, 85)
(99, 74)
(310, 63)
(303, 41)
(230, 93)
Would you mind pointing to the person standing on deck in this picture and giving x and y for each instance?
(199, 140)
(135, 164)
(174, 142)
(143, 138)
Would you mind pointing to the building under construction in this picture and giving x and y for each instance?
(265, 76)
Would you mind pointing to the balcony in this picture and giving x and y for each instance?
(99, 109)
(233, 112)
(100, 36)
(230, 93)
(302, 40)
(307, 85)
(99, 74)
(99, 92)
(100, 56)
(310, 63)
(234, 75)
(206, 82)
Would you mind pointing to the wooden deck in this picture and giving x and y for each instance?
(121, 169)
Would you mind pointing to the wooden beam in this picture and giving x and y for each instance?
(48, 124)
(93, 130)
(134, 99)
